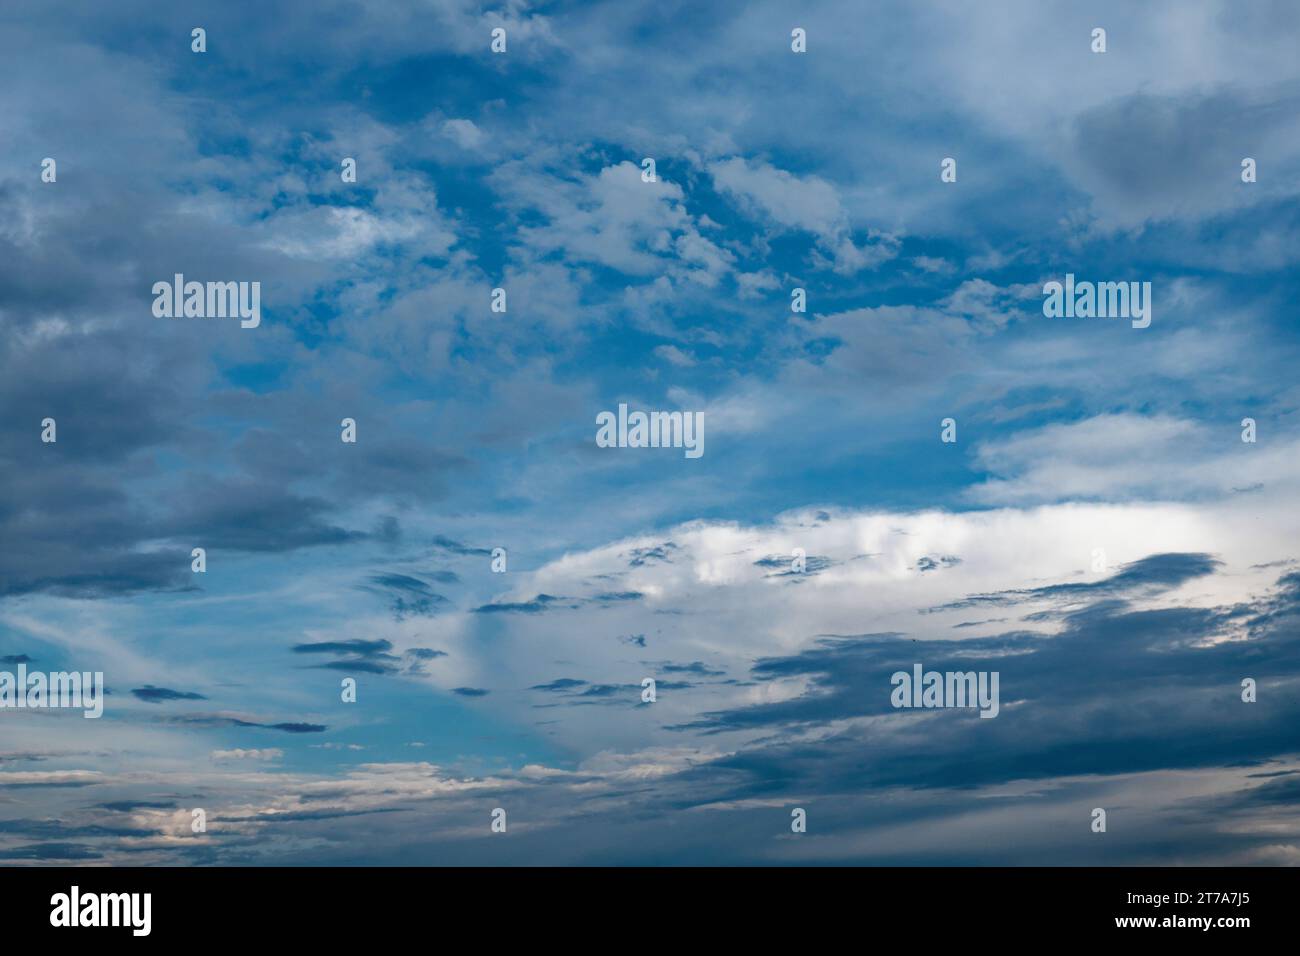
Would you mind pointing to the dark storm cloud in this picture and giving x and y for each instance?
(364, 657)
(1157, 572)
(615, 597)
(408, 596)
(68, 525)
(54, 829)
(294, 727)
(1204, 131)
(455, 547)
(251, 516)
(560, 684)
(359, 666)
(549, 602)
(542, 602)
(52, 851)
(1282, 791)
(575, 692)
(81, 531)
(660, 552)
(53, 784)
(370, 657)
(583, 694)
(20, 756)
(126, 806)
(1116, 691)
(219, 720)
(156, 695)
(414, 659)
(698, 668)
(928, 563)
(82, 516)
(301, 816)
(383, 463)
(134, 396)
(362, 648)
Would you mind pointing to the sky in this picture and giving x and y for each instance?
(351, 682)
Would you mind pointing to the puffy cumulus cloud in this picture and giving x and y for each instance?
(674, 356)
(903, 347)
(1127, 456)
(753, 285)
(335, 233)
(615, 219)
(723, 595)
(809, 204)
(463, 132)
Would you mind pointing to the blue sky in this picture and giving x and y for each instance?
(776, 170)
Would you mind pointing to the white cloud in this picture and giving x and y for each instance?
(806, 203)
(464, 133)
(674, 356)
(707, 600)
(268, 753)
(615, 219)
(1126, 455)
